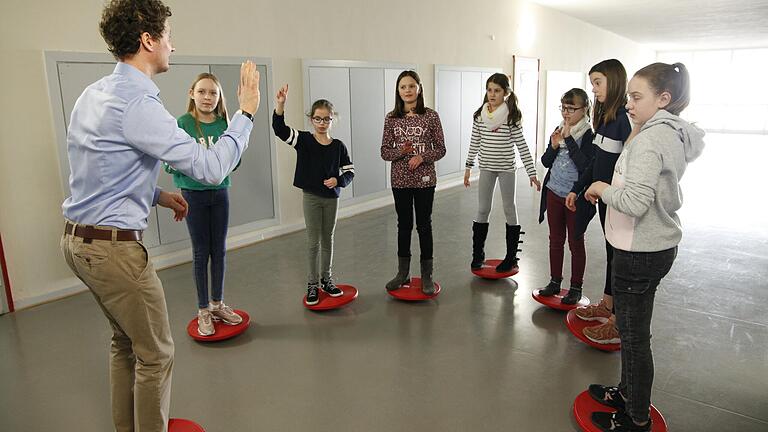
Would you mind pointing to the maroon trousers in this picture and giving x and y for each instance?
(562, 220)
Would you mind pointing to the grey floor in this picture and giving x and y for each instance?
(483, 356)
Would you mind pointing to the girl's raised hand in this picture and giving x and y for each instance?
(282, 94)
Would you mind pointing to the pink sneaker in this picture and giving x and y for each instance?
(225, 313)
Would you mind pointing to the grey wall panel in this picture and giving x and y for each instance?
(174, 92)
(363, 93)
(367, 105)
(250, 197)
(73, 78)
(390, 87)
(484, 77)
(459, 92)
(472, 93)
(332, 83)
(449, 108)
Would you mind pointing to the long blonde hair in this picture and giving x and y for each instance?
(221, 108)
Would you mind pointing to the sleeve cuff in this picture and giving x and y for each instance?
(243, 123)
(607, 195)
(156, 197)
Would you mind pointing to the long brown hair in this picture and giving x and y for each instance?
(605, 112)
(515, 115)
(399, 110)
(670, 78)
(221, 108)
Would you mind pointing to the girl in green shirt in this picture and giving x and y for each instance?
(206, 119)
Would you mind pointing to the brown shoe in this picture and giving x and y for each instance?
(605, 334)
(594, 312)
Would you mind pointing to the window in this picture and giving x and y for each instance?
(728, 89)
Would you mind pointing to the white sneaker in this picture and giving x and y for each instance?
(205, 323)
(225, 313)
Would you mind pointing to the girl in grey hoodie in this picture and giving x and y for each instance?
(643, 227)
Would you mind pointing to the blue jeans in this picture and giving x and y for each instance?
(636, 275)
(207, 222)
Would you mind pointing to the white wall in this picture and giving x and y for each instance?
(425, 32)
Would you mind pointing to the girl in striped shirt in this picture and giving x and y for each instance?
(496, 138)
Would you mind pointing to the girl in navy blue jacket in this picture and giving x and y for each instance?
(612, 128)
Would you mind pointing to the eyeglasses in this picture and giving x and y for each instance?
(569, 110)
(319, 120)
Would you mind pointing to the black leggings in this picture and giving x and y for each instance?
(406, 199)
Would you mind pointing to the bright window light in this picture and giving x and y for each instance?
(728, 90)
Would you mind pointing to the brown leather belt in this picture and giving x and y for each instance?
(90, 233)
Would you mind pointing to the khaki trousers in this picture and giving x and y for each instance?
(126, 287)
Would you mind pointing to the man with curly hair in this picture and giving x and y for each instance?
(119, 132)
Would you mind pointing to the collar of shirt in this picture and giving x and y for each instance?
(137, 76)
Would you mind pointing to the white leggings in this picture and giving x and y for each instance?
(487, 185)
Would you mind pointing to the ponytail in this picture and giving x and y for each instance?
(682, 96)
(515, 115)
(670, 78)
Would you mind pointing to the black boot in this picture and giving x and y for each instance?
(553, 288)
(479, 233)
(510, 261)
(427, 285)
(573, 297)
(403, 273)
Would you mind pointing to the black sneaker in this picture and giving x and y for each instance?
(608, 396)
(573, 296)
(553, 288)
(312, 294)
(331, 288)
(618, 422)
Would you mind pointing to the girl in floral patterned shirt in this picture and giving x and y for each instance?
(413, 141)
